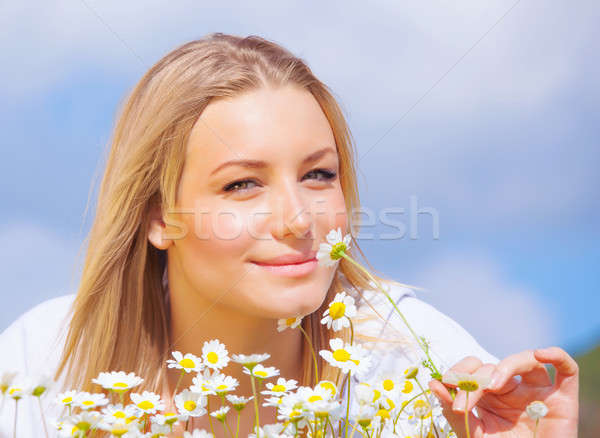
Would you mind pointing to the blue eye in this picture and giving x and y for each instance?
(235, 186)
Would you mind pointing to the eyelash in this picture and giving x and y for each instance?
(230, 187)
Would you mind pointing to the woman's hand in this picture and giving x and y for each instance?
(501, 406)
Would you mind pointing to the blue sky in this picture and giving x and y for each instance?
(491, 121)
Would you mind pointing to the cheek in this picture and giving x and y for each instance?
(332, 214)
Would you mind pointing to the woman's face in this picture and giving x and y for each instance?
(283, 201)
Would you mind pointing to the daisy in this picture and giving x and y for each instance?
(15, 392)
(66, 398)
(118, 427)
(282, 386)
(168, 418)
(6, 379)
(221, 413)
(536, 410)
(198, 433)
(190, 403)
(330, 252)
(202, 382)
(270, 431)
(118, 412)
(148, 402)
(347, 357)
(237, 401)
(215, 355)
(421, 408)
(292, 323)
(118, 381)
(365, 415)
(329, 385)
(223, 384)
(388, 384)
(86, 401)
(339, 311)
(82, 422)
(250, 361)
(465, 381)
(261, 372)
(38, 385)
(366, 394)
(187, 363)
(273, 401)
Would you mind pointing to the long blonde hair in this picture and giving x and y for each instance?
(119, 319)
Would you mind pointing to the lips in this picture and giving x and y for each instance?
(288, 259)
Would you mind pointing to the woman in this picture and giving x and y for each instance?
(230, 158)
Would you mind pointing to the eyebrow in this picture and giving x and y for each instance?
(257, 164)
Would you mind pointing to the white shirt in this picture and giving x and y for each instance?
(32, 345)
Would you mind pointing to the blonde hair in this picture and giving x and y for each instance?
(119, 319)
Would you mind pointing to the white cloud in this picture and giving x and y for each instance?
(37, 264)
(504, 317)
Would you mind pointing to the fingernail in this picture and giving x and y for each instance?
(495, 382)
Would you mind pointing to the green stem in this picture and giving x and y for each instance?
(237, 428)
(537, 421)
(407, 403)
(227, 427)
(178, 382)
(347, 408)
(43, 418)
(312, 350)
(209, 416)
(358, 265)
(351, 331)
(255, 404)
(467, 415)
(15, 424)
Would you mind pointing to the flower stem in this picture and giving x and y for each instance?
(347, 408)
(178, 382)
(467, 415)
(209, 416)
(15, 425)
(537, 421)
(227, 427)
(312, 350)
(255, 404)
(237, 428)
(358, 265)
(43, 418)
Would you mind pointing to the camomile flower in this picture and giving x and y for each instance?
(81, 422)
(6, 379)
(274, 401)
(421, 408)
(66, 398)
(148, 402)
(536, 410)
(15, 391)
(349, 358)
(340, 309)
(118, 381)
(308, 395)
(118, 427)
(366, 394)
(270, 431)
(220, 414)
(215, 355)
(158, 430)
(330, 252)
(281, 387)
(190, 403)
(465, 381)
(169, 418)
(223, 384)
(262, 372)
(365, 415)
(237, 401)
(292, 323)
(198, 433)
(38, 385)
(329, 385)
(85, 400)
(202, 382)
(250, 361)
(118, 412)
(388, 384)
(187, 363)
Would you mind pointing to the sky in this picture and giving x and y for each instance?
(476, 126)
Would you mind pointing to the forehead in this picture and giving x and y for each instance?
(266, 124)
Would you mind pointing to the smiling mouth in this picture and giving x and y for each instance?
(290, 269)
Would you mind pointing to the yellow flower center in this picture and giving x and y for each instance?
(260, 373)
(278, 388)
(88, 403)
(341, 355)
(289, 321)
(411, 372)
(294, 413)
(337, 250)
(376, 394)
(391, 404)
(383, 413)
(314, 398)
(189, 405)
(212, 357)
(337, 310)
(468, 385)
(408, 387)
(388, 384)
(329, 386)
(67, 400)
(119, 414)
(222, 387)
(145, 405)
(119, 385)
(187, 363)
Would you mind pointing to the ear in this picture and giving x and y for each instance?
(157, 229)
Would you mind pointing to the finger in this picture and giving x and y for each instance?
(460, 402)
(523, 364)
(467, 365)
(456, 420)
(566, 367)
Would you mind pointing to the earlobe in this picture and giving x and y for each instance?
(155, 234)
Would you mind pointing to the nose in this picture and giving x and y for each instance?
(291, 213)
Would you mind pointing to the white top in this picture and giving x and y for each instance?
(31, 346)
